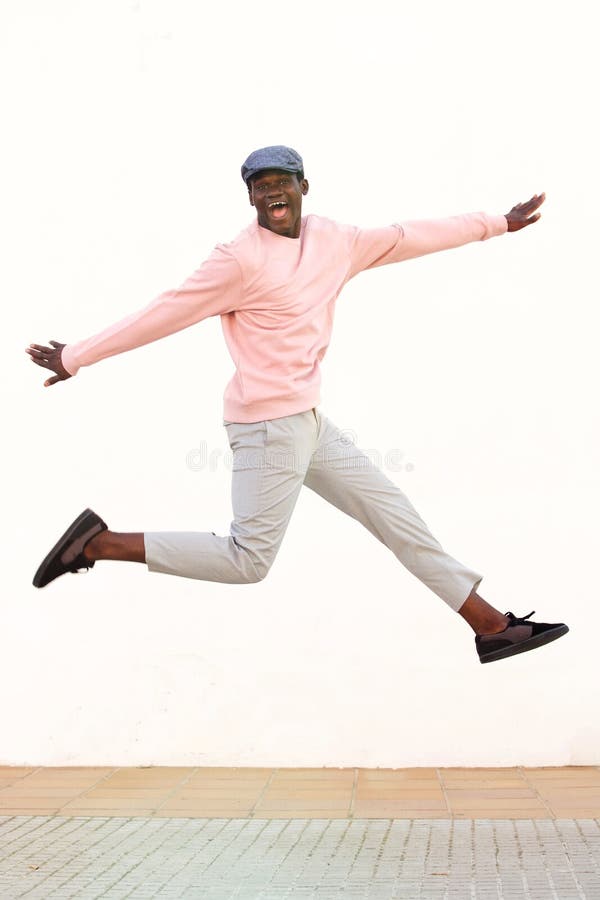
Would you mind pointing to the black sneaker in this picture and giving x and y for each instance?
(518, 637)
(67, 553)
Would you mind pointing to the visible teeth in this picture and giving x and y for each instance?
(277, 203)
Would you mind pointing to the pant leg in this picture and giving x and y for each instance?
(346, 477)
(270, 460)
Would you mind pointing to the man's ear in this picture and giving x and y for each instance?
(304, 186)
(250, 196)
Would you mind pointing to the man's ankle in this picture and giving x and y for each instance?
(92, 550)
(492, 627)
(481, 616)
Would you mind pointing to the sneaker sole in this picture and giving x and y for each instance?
(538, 641)
(59, 547)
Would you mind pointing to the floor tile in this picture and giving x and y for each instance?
(15, 771)
(575, 812)
(301, 803)
(478, 802)
(292, 854)
(481, 784)
(398, 774)
(500, 813)
(28, 802)
(412, 803)
(152, 795)
(20, 791)
(29, 811)
(110, 803)
(217, 802)
(479, 774)
(247, 792)
(202, 780)
(512, 793)
(94, 811)
(399, 812)
(208, 796)
(374, 791)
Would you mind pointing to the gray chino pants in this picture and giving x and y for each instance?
(271, 462)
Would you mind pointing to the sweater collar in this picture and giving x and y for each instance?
(268, 235)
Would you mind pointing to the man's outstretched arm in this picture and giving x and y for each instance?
(213, 289)
(395, 243)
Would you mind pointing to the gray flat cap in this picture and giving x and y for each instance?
(277, 157)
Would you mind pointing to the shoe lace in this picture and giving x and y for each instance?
(521, 619)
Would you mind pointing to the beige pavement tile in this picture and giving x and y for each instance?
(404, 803)
(302, 784)
(578, 797)
(12, 782)
(512, 793)
(233, 771)
(144, 795)
(20, 791)
(200, 800)
(249, 781)
(479, 774)
(399, 812)
(148, 777)
(105, 813)
(576, 781)
(398, 774)
(164, 786)
(28, 802)
(479, 802)
(300, 814)
(193, 813)
(156, 771)
(74, 771)
(559, 771)
(16, 771)
(181, 803)
(374, 793)
(576, 812)
(399, 783)
(315, 774)
(301, 803)
(305, 795)
(220, 795)
(33, 782)
(481, 784)
(28, 811)
(112, 803)
(501, 814)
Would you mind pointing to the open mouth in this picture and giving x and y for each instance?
(278, 209)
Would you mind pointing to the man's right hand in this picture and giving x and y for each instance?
(49, 358)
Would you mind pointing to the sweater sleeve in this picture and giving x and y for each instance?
(379, 246)
(213, 289)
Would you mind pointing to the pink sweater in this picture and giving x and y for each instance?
(276, 298)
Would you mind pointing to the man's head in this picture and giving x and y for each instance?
(276, 184)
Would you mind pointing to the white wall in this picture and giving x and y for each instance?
(125, 126)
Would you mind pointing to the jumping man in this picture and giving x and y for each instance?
(275, 287)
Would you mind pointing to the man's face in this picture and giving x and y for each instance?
(277, 198)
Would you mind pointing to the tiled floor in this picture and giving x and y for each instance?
(327, 793)
(87, 858)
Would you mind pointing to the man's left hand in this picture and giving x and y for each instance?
(522, 214)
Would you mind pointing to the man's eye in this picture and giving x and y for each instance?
(263, 188)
